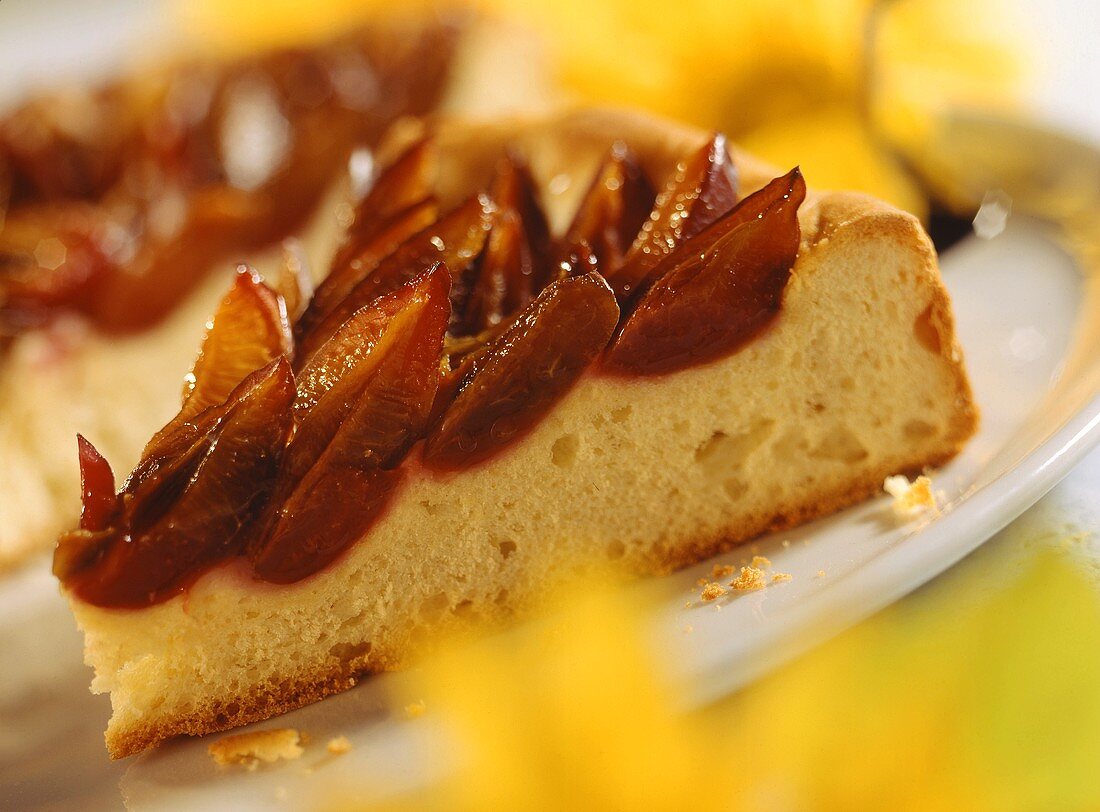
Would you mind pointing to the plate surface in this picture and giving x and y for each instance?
(1029, 323)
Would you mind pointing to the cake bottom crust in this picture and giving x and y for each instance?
(267, 702)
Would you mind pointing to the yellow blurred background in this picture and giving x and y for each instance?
(842, 87)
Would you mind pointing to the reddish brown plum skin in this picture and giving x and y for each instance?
(249, 330)
(100, 504)
(147, 557)
(703, 189)
(455, 240)
(713, 299)
(360, 258)
(513, 190)
(527, 370)
(612, 211)
(408, 180)
(341, 468)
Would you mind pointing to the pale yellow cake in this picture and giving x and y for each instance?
(859, 377)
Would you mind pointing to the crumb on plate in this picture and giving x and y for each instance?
(251, 748)
(781, 577)
(713, 591)
(750, 578)
(415, 709)
(760, 562)
(910, 498)
(338, 745)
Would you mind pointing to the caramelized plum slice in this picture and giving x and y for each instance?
(149, 556)
(525, 372)
(718, 290)
(703, 189)
(99, 502)
(513, 190)
(348, 271)
(406, 181)
(503, 278)
(249, 329)
(362, 401)
(100, 507)
(403, 185)
(612, 211)
(455, 241)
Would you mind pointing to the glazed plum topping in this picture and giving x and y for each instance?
(148, 554)
(409, 179)
(612, 211)
(455, 240)
(718, 291)
(351, 267)
(511, 269)
(249, 330)
(702, 190)
(99, 502)
(362, 401)
(513, 189)
(525, 372)
(448, 338)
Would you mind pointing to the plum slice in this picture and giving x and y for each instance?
(362, 401)
(249, 330)
(525, 371)
(613, 210)
(718, 290)
(454, 241)
(407, 180)
(702, 190)
(349, 268)
(512, 268)
(513, 189)
(99, 502)
(149, 553)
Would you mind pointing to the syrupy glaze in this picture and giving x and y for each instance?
(115, 202)
(430, 348)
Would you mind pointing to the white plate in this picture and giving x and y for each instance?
(1029, 323)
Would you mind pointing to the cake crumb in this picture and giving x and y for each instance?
(786, 543)
(713, 591)
(820, 574)
(722, 571)
(781, 577)
(760, 562)
(749, 579)
(910, 498)
(416, 709)
(338, 745)
(701, 582)
(688, 628)
(249, 749)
